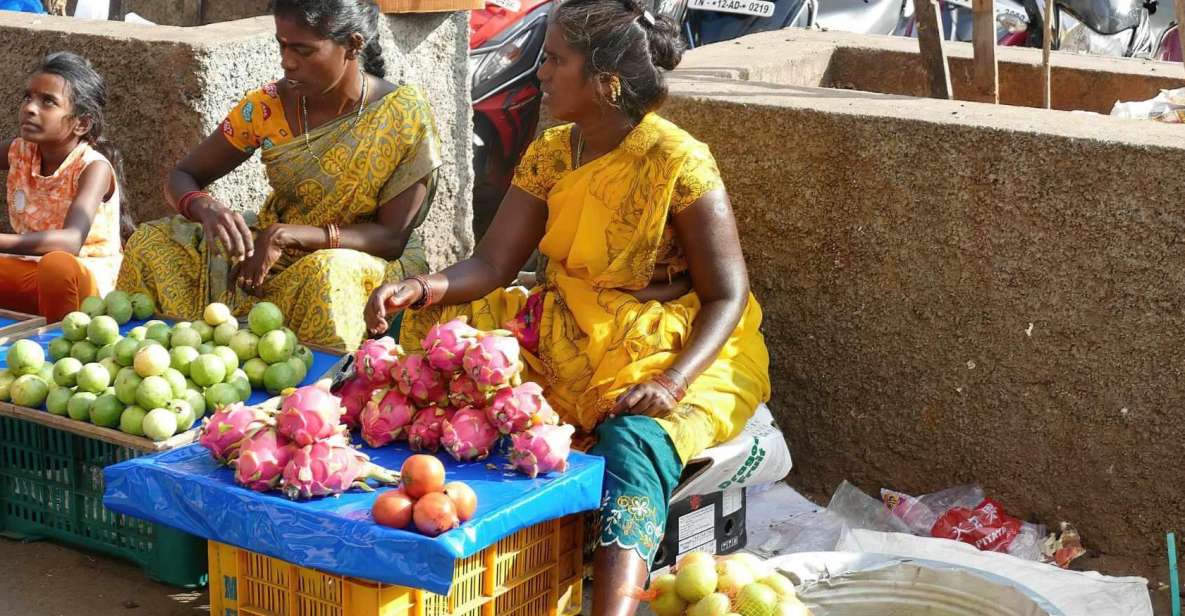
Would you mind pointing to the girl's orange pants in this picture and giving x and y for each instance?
(52, 287)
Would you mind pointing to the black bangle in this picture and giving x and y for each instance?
(423, 301)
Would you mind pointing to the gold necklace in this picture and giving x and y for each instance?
(304, 115)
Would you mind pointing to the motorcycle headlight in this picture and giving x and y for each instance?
(517, 53)
(1074, 36)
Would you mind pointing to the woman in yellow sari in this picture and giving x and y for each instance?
(643, 331)
(350, 159)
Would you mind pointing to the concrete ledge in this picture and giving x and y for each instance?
(891, 65)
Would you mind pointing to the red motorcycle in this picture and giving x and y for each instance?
(505, 51)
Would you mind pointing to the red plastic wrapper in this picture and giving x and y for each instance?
(965, 514)
(986, 526)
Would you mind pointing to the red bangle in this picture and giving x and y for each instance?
(677, 390)
(187, 199)
(429, 294)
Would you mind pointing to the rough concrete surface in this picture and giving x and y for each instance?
(958, 292)
(169, 87)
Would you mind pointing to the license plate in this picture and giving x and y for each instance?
(513, 6)
(758, 8)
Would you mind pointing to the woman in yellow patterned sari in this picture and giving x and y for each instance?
(350, 159)
(643, 333)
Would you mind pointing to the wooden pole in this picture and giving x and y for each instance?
(930, 41)
(983, 38)
(1179, 6)
(1046, 47)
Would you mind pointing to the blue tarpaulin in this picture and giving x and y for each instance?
(22, 6)
(186, 489)
(322, 362)
(5, 322)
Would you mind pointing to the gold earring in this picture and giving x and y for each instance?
(615, 89)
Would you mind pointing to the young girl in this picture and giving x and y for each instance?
(63, 195)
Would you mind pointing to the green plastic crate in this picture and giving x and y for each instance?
(51, 486)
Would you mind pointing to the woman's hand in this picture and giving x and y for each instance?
(252, 273)
(388, 300)
(662, 290)
(647, 398)
(224, 226)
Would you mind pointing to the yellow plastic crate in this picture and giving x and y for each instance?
(536, 571)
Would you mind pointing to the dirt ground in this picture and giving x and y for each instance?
(45, 579)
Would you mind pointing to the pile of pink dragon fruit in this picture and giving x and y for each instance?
(463, 394)
(301, 448)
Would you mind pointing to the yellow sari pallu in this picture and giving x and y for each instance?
(607, 231)
(349, 168)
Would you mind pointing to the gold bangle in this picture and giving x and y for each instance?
(335, 235)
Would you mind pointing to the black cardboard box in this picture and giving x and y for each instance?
(713, 523)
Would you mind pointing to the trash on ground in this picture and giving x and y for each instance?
(965, 513)
(1167, 107)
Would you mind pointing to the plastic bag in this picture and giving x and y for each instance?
(965, 514)
(1167, 107)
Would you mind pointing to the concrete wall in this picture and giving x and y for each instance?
(169, 87)
(958, 292)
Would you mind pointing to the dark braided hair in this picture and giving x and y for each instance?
(619, 37)
(337, 20)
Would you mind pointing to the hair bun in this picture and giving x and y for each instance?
(666, 45)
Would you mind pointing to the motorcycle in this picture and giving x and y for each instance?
(713, 21)
(1122, 28)
(506, 49)
(1011, 22)
(1168, 47)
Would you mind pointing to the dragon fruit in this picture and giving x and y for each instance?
(418, 380)
(262, 459)
(328, 467)
(446, 343)
(224, 431)
(517, 408)
(463, 391)
(494, 361)
(355, 394)
(423, 435)
(542, 449)
(468, 435)
(374, 360)
(385, 417)
(309, 414)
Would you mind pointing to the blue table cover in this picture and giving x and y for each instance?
(322, 362)
(184, 488)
